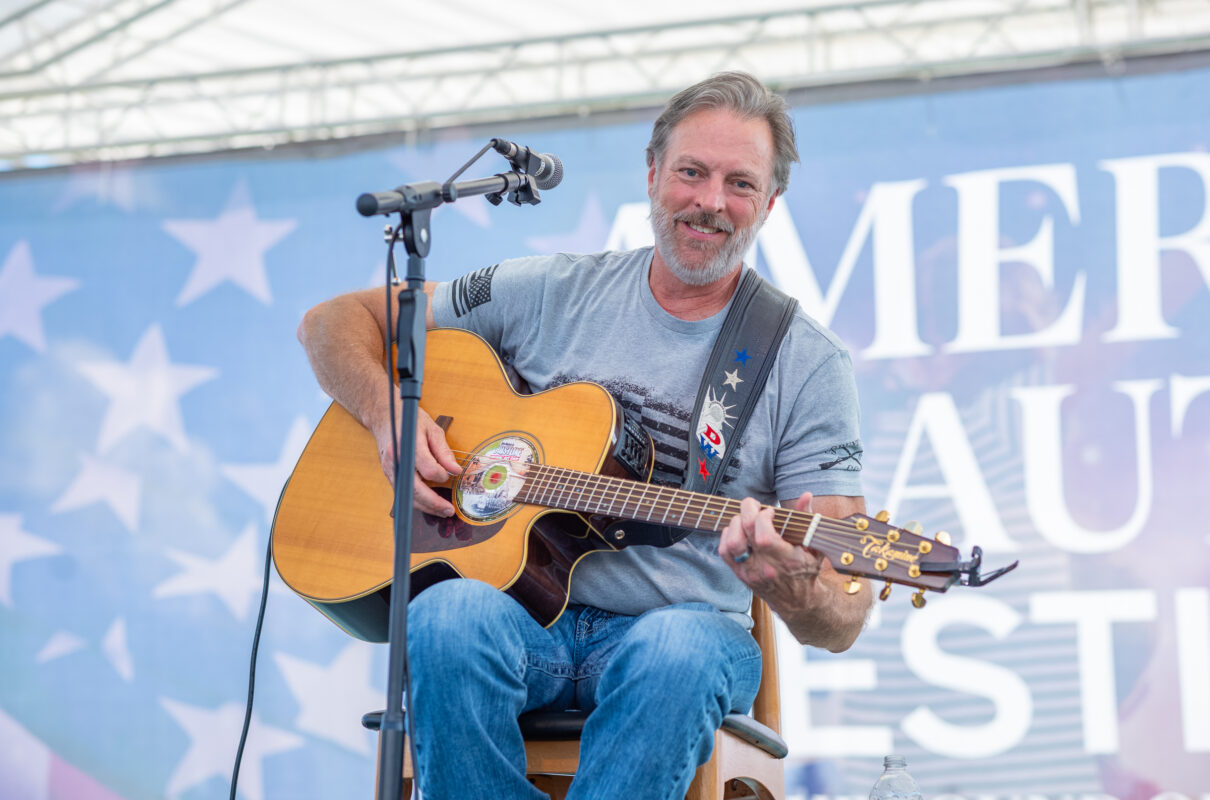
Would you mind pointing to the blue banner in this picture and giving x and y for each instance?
(1022, 274)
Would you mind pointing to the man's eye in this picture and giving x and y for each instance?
(690, 172)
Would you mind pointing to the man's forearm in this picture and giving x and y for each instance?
(344, 344)
(822, 614)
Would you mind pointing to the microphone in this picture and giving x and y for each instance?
(545, 168)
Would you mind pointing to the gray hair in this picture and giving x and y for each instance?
(744, 95)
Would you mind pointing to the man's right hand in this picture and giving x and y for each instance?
(435, 463)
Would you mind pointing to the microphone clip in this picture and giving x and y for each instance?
(521, 187)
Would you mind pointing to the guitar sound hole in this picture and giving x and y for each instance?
(494, 476)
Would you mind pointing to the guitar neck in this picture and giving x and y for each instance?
(571, 490)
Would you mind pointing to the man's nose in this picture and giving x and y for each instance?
(711, 196)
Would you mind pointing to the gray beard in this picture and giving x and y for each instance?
(716, 267)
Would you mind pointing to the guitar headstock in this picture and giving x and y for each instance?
(870, 547)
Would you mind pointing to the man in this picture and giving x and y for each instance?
(654, 642)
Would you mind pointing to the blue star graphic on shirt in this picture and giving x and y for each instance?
(742, 356)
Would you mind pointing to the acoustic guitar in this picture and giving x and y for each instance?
(546, 479)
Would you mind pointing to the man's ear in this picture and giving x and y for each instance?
(772, 199)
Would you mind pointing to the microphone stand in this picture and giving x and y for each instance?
(414, 203)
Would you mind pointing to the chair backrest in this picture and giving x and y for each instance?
(767, 707)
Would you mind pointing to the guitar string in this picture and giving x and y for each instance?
(547, 479)
(540, 481)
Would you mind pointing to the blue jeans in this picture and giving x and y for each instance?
(658, 686)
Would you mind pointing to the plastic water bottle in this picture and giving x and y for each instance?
(895, 783)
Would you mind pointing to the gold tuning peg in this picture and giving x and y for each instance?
(882, 516)
(853, 586)
(886, 591)
(914, 527)
(918, 599)
(943, 537)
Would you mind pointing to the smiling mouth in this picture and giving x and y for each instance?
(706, 224)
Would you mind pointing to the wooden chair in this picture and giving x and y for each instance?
(745, 765)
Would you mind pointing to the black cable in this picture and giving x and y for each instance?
(260, 618)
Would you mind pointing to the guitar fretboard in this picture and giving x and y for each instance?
(570, 490)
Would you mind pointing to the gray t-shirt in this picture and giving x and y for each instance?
(561, 318)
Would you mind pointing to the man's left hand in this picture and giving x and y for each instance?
(769, 565)
(799, 584)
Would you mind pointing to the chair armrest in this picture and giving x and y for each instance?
(753, 732)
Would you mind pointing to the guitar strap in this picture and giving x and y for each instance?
(735, 375)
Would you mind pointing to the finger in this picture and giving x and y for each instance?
(803, 503)
(428, 501)
(732, 542)
(440, 449)
(748, 511)
(386, 457)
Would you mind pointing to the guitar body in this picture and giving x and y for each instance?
(333, 533)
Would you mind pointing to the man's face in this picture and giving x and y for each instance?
(711, 193)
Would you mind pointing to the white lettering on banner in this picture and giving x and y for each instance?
(980, 256)
(631, 227)
(1094, 613)
(887, 214)
(1184, 389)
(1007, 692)
(1139, 244)
(1193, 663)
(799, 675)
(886, 220)
(937, 417)
(1042, 442)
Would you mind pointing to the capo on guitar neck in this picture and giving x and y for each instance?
(967, 571)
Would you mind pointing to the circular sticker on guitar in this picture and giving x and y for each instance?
(493, 477)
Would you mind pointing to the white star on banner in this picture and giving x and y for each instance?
(332, 699)
(145, 392)
(264, 481)
(98, 480)
(213, 737)
(234, 577)
(116, 650)
(229, 248)
(733, 379)
(60, 645)
(16, 546)
(23, 295)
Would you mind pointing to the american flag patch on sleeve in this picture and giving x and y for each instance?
(472, 290)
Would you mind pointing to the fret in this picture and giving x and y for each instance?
(583, 494)
(548, 488)
(667, 508)
(785, 522)
(642, 499)
(698, 524)
(680, 523)
(612, 513)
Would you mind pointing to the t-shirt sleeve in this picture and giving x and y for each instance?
(493, 300)
(820, 450)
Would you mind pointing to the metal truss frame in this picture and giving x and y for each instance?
(62, 103)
